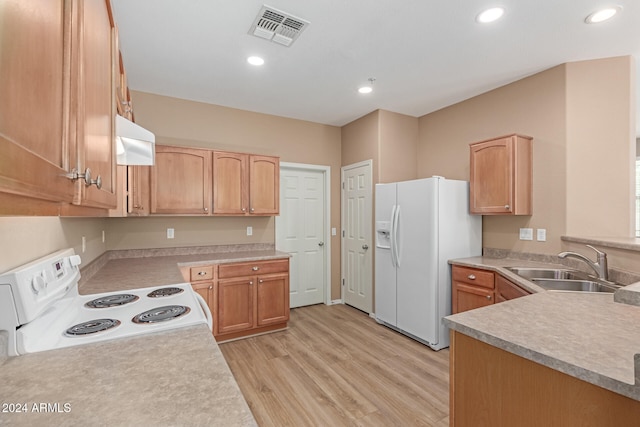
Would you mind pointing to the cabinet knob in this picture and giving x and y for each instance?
(471, 277)
(211, 287)
(507, 206)
(488, 296)
(251, 282)
(243, 210)
(256, 268)
(251, 210)
(202, 273)
(75, 175)
(206, 209)
(260, 281)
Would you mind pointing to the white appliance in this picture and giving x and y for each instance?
(420, 225)
(40, 308)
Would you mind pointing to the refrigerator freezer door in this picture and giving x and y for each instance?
(385, 272)
(417, 274)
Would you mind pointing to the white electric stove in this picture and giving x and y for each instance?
(41, 309)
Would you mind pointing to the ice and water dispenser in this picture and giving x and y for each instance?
(383, 234)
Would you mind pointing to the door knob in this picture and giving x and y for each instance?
(321, 244)
(365, 247)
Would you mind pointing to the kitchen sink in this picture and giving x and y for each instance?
(575, 285)
(548, 273)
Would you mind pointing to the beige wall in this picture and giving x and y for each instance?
(601, 147)
(534, 106)
(187, 123)
(398, 147)
(22, 239)
(581, 118)
(360, 140)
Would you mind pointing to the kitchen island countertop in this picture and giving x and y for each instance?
(585, 335)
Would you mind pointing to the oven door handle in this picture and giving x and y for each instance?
(205, 309)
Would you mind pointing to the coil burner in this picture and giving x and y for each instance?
(112, 301)
(91, 327)
(161, 314)
(164, 292)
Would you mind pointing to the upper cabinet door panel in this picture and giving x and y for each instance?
(94, 74)
(501, 176)
(230, 183)
(181, 181)
(264, 173)
(35, 105)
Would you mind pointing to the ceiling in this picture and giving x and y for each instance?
(424, 55)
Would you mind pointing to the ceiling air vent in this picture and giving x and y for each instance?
(277, 26)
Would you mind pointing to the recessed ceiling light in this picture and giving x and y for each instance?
(602, 15)
(255, 60)
(365, 89)
(490, 15)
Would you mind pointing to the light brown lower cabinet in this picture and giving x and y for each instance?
(492, 387)
(473, 288)
(245, 298)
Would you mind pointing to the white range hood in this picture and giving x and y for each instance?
(134, 144)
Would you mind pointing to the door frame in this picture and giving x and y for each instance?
(343, 254)
(326, 171)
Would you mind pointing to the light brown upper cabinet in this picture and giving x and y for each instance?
(34, 112)
(181, 181)
(56, 118)
(245, 184)
(93, 89)
(501, 176)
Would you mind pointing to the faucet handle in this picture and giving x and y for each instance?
(601, 255)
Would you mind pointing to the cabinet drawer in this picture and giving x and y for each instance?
(201, 273)
(253, 268)
(473, 276)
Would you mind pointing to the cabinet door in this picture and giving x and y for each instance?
(94, 92)
(491, 187)
(235, 305)
(205, 290)
(230, 183)
(34, 111)
(264, 186)
(465, 297)
(181, 181)
(506, 290)
(273, 299)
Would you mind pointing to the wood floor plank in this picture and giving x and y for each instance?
(336, 366)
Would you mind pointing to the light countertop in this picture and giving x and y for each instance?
(177, 377)
(585, 335)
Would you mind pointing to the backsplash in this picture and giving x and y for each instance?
(616, 275)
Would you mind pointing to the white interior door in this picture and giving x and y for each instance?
(301, 230)
(357, 244)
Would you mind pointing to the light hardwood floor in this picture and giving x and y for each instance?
(335, 366)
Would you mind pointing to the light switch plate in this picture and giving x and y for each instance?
(541, 235)
(526, 234)
(170, 233)
(249, 231)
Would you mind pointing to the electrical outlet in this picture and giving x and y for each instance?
(333, 231)
(526, 234)
(541, 235)
(170, 233)
(84, 244)
(249, 231)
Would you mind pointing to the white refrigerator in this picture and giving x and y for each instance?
(420, 225)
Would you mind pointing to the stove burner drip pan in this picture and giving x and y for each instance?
(91, 327)
(161, 314)
(112, 301)
(164, 292)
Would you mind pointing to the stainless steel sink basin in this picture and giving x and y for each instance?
(575, 285)
(548, 273)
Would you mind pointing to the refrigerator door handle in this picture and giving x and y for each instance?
(396, 237)
(392, 236)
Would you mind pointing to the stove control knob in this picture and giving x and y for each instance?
(38, 283)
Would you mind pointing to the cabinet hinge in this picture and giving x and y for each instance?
(342, 282)
(343, 185)
(342, 233)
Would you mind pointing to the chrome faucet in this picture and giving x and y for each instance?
(599, 266)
